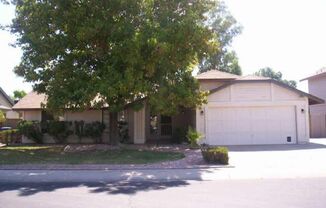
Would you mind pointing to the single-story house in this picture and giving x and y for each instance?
(241, 110)
(317, 87)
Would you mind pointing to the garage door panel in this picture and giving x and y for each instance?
(250, 125)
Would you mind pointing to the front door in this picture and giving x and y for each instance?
(160, 127)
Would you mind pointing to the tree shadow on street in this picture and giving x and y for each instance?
(124, 186)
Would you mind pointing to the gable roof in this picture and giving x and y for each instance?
(6, 97)
(215, 74)
(31, 101)
(319, 73)
(312, 99)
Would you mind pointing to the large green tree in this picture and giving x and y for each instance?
(269, 72)
(116, 51)
(19, 94)
(226, 28)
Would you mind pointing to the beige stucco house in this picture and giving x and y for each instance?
(317, 87)
(241, 110)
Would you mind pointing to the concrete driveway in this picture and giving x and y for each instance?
(278, 161)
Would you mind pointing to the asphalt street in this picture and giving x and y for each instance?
(267, 193)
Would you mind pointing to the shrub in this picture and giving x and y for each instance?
(94, 130)
(59, 130)
(31, 129)
(215, 154)
(79, 129)
(123, 131)
(193, 137)
(2, 117)
(179, 135)
(8, 136)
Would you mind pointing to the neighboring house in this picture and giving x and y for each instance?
(317, 87)
(5, 101)
(241, 110)
(6, 104)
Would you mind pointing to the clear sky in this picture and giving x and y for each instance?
(287, 35)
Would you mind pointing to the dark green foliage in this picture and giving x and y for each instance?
(179, 135)
(60, 130)
(193, 137)
(9, 136)
(123, 131)
(118, 51)
(31, 129)
(215, 154)
(226, 28)
(269, 72)
(94, 130)
(19, 94)
(79, 129)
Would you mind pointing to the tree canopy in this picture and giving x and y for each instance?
(116, 51)
(269, 72)
(19, 94)
(225, 28)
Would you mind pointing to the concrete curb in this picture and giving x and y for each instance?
(106, 167)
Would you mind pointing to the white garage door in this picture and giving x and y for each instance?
(251, 125)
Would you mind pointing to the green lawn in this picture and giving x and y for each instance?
(55, 155)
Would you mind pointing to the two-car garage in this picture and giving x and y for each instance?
(255, 112)
(251, 125)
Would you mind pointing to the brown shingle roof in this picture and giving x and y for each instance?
(215, 74)
(31, 101)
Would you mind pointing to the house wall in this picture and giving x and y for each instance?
(211, 84)
(317, 87)
(87, 116)
(32, 115)
(139, 130)
(12, 114)
(258, 94)
(4, 101)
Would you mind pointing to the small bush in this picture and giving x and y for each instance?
(59, 130)
(8, 136)
(31, 129)
(193, 137)
(179, 135)
(79, 129)
(215, 154)
(94, 130)
(123, 131)
(2, 117)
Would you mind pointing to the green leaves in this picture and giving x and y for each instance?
(269, 72)
(87, 53)
(225, 28)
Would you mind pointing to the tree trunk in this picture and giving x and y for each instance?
(114, 131)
